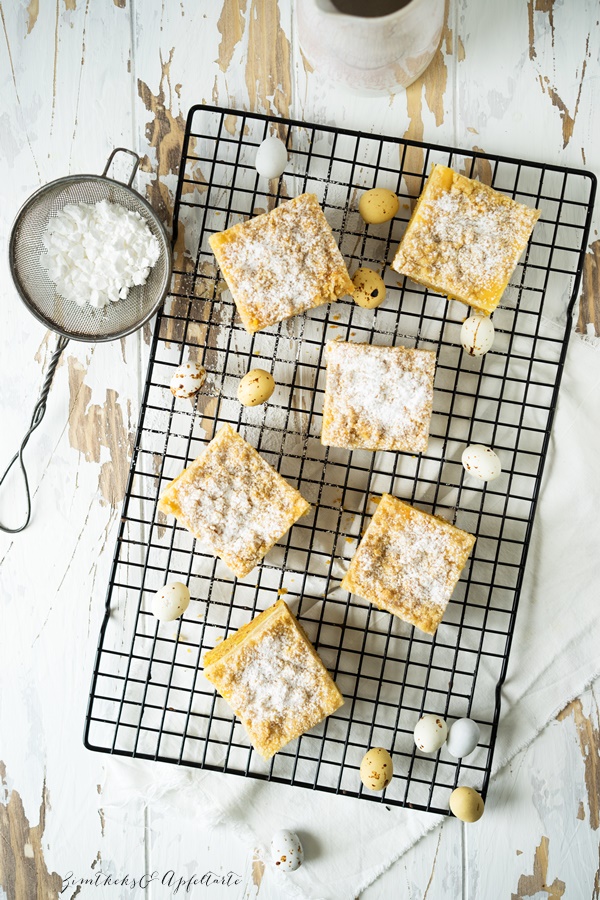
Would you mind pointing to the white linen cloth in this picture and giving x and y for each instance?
(554, 656)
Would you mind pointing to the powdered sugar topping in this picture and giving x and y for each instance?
(417, 561)
(275, 679)
(272, 677)
(465, 238)
(282, 263)
(236, 502)
(479, 238)
(476, 237)
(408, 562)
(378, 397)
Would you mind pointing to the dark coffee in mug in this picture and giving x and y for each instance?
(369, 9)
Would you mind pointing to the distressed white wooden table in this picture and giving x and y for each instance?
(76, 79)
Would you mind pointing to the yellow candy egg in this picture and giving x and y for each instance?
(369, 288)
(378, 205)
(255, 387)
(376, 769)
(466, 804)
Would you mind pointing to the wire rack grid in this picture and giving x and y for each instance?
(149, 697)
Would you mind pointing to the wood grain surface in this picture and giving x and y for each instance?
(77, 79)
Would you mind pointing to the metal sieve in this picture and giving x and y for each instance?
(69, 320)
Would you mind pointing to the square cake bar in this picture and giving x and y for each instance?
(281, 263)
(234, 501)
(273, 679)
(464, 239)
(377, 398)
(408, 563)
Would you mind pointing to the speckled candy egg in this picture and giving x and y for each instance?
(378, 205)
(187, 380)
(430, 733)
(481, 462)
(466, 804)
(171, 601)
(271, 158)
(463, 737)
(376, 769)
(286, 850)
(477, 334)
(255, 387)
(369, 288)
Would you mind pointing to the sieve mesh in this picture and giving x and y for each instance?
(83, 323)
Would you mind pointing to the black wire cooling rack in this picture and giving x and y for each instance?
(148, 696)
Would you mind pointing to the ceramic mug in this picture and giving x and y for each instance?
(372, 54)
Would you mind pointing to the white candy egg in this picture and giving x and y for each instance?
(271, 158)
(171, 601)
(477, 334)
(187, 380)
(481, 462)
(430, 733)
(286, 850)
(463, 738)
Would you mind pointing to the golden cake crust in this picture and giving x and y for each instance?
(377, 398)
(408, 563)
(281, 263)
(464, 239)
(232, 499)
(274, 680)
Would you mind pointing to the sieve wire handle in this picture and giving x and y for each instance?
(135, 165)
(38, 414)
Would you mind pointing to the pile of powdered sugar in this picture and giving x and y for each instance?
(96, 252)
